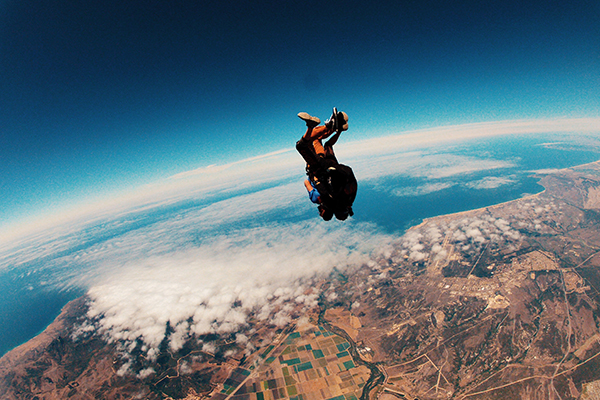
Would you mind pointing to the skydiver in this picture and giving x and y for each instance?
(331, 185)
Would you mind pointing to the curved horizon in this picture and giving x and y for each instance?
(287, 164)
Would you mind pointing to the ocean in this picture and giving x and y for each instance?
(26, 311)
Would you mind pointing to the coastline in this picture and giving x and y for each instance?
(473, 211)
(539, 175)
(30, 348)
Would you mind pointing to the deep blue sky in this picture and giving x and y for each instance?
(96, 96)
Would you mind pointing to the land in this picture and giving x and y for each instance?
(500, 302)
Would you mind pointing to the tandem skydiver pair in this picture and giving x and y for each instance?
(330, 184)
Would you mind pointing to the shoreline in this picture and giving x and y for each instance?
(539, 175)
(43, 338)
(472, 211)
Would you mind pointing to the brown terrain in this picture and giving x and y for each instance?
(495, 303)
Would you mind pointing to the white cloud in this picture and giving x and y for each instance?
(422, 190)
(544, 171)
(211, 287)
(146, 372)
(490, 182)
(449, 165)
(228, 179)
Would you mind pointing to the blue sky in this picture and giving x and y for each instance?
(98, 96)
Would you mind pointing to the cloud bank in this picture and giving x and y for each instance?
(211, 286)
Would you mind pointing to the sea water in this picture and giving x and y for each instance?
(27, 307)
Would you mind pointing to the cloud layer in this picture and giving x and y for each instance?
(212, 285)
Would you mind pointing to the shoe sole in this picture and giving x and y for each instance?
(307, 117)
